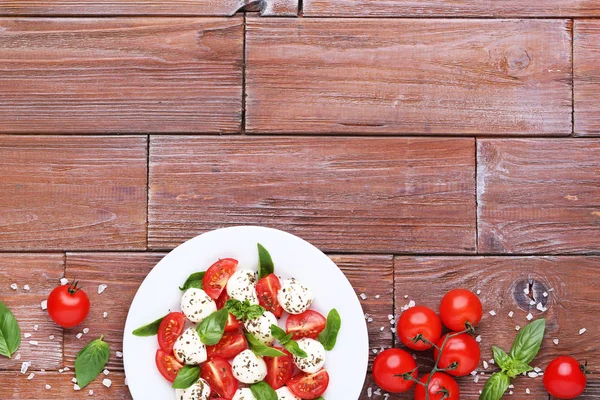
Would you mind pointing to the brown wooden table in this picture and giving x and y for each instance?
(424, 145)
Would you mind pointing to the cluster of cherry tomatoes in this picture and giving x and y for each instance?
(419, 328)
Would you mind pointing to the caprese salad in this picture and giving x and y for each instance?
(227, 343)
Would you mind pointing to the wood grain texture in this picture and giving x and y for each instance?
(279, 8)
(374, 276)
(538, 196)
(120, 75)
(451, 8)
(573, 298)
(42, 273)
(75, 193)
(342, 194)
(17, 387)
(386, 76)
(586, 75)
(123, 273)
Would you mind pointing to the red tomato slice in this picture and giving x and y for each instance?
(309, 386)
(217, 275)
(233, 323)
(169, 330)
(230, 345)
(266, 289)
(167, 365)
(219, 375)
(279, 369)
(308, 324)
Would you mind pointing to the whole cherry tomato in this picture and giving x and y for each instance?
(419, 322)
(68, 305)
(441, 387)
(565, 378)
(460, 307)
(461, 352)
(388, 368)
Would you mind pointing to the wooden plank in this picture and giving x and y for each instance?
(387, 76)
(279, 8)
(123, 273)
(42, 273)
(16, 386)
(586, 57)
(343, 194)
(538, 196)
(120, 75)
(81, 193)
(573, 298)
(451, 8)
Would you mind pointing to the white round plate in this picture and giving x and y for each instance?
(293, 257)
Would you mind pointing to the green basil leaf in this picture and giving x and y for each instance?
(495, 387)
(91, 361)
(10, 333)
(265, 263)
(244, 310)
(186, 377)
(263, 391)
(260, 348)
(287, 342)
(517, 367)
(194, 281)
(328, 336)
(212, 327)
(502, 359)
(293, 347)
(528, 341)
(149, 330)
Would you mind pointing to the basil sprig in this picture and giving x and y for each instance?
(261, 349)
(10, 333)
(194, 281)
(263, 391)
(212, 327)
(265, 263)
(186, 377)
(524, 349)
(91, 361)
(287, 342)
(328, 336)
(150, 329)
(244, 310)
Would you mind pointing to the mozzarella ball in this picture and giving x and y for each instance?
(316, 356)
(189, 349)
(197, 305)
(261, 327)
(283, 393)
(243, 394)
(241, 286)
(248, 367)
(198, 391)
(294, 297)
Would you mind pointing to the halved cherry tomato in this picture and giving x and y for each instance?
(169, 330)
(233, 323)
(167, 365)
(217, 275)
(279, 369)
(266, 289)
(462, 350)
(231, 344)
(309, 386)
(308, 324)
(219, 375)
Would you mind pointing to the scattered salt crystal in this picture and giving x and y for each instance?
(377, 392)
(48, 387)
(485, 364)
(511, 314)
(390, 316)
(27, 335)
(532, 302)
(393, 330)
(36, 327)
(476, 379)
(473, 373)
(551, 289)
(529, 317)
(491, 361)
(582, 331)
(25, 366)
(18, 357)
(555, 341)
(369, 319)
(79, 335)
(478, 339)
(42, 370)
(76, 387)
(51, 337)
(369, 392)
(527, 391)
(14, 286)
(545, 294)
(480, 391)
(511, 386)
(60, 370)
(64, 281)
(86, 331)
(478, 291)
(537, 369)
(33, 342)
(510, 392)
(30, 377)
(541, 307)
(91, 392)
(381, 329)
(101, 288)
(125, 380)
(26, 287)
(74, 380)
(44, 304)
(119, 354)
(406, 296)
(374, 351)
(526, 290)
(104, 314)
(492, 313)
(532, 374)
(411, 304)
(377, 296)
(106, 372)
(414, 356)
(67, 369)
(363, 296)
(517, 328)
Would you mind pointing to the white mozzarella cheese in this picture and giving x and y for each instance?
(241, 286)
(197, 305)
(243, 394)
(316, 356)
(189, 349)
(283, 393)
(261, 327)
(248, 367)
(294, 297)
(198, 391)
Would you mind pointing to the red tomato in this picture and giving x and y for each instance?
(169, 330)
(233, 324)
(279, 369)
(565, 378)
(441, 387)
(167, 365)
(388, 368)
(308, 324)
(309, 386)
(419, 320)
(461, 349)
(460, 307)
(217, 275)
(231, 344)
(68, 305)
(219, 375)
(266, 289)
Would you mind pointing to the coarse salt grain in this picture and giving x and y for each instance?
(51, 337)
(369, 392)
(33, 342)
(527, 391)
(478, 339)
(26, 287)
(60, 370)
(119, 354)
(411, 304)
(511, 314)
(106, 382)
(44, 304)
(76, 387)
(485, 365)
(48, 387)
(537, 369)
(67, 369)
(363, 296)
(478, 291)
(529, 317)
(64, 281)
(492, 313)
(104, 314)
(106, 372)
(390, 316)
(74, 380)
(526, 290)
(30, 377)
(25, 366)
(476, 379)
(491, 361)
(511, 386)
(14, 286)
(551, 289)
(555, 341)
(86, 331)
(510, 392)
(18, 357)
(36, 327)
(545, 294)
(517, 328)
(582, 331)
(79, 335)
(91, 392)
(101, 288)
(374, 351)
(27, 335)
(369, 319)
(532, 374)
(541, 307)
(532, 302)
(381, 329)
(377, 296)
